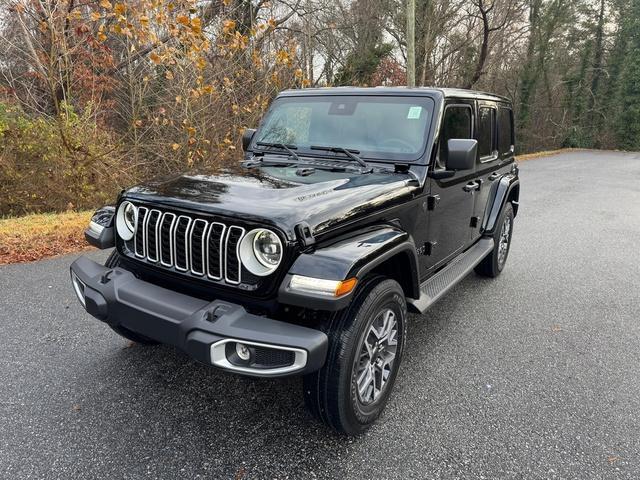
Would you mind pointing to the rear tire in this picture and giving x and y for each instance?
(366, 341)
(494, 263)
(112, 262)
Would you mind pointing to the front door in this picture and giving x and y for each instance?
(453, 202)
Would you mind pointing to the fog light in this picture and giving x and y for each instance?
(243, 352)
(78, 287)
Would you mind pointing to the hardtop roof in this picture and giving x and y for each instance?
(403, 91)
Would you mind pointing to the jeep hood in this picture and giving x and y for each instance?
(277, 196)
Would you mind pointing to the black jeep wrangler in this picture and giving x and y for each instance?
(352, 206)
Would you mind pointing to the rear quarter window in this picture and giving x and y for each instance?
(505, 129)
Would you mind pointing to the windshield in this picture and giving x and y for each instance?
(377, 127)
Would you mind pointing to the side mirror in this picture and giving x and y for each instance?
(461, 154)
(247, 136)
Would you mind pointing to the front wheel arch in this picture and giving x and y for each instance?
(400, 268)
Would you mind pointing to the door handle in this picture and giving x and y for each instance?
(493, 176)
(471, 186)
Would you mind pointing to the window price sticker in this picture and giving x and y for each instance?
(414, 113)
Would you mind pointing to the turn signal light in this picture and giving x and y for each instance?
(346, 286)
(321, 286)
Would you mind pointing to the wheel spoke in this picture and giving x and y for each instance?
(369, 347)
(365, 381)
(389, 321)
(393, 338)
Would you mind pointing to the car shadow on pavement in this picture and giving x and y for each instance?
(155, 399)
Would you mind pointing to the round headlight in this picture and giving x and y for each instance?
(267, 248)
(126, 220)
(261, 251)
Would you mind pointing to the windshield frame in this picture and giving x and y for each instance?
(419, 157)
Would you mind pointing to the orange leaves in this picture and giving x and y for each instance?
(234, 42)
(228, 26)
(155, 58)
(283, 57)
(106, 4)
(196, 25)
(75, 14)
(183, 20)
(119, 9)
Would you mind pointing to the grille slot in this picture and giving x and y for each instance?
(233, 266)
(189, 245)
(140, 239)
(215, 251)
(181, 243)
(166, 239)
(153, 221)
(197, 246)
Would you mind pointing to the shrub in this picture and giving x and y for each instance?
(49, 165)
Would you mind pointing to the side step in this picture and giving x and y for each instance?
(439, 284)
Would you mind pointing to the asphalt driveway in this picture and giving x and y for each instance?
(532, 375)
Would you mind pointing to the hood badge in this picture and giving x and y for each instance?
(305, 171)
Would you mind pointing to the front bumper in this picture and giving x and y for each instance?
(204, 330)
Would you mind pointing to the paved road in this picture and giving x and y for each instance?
(532, 375)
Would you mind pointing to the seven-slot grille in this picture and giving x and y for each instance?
(189, 245)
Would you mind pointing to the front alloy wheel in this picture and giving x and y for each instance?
(365, 351)
(377, 356)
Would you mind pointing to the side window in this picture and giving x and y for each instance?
(486, 132)
(457, 123)
(505, 129)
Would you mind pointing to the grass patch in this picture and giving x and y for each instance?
(546, 153)
(37, 236)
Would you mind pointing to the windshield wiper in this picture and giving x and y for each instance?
(349, 153)
(282, 146)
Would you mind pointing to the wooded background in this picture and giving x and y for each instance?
(95, 94)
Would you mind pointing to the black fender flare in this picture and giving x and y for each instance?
(354, 256)
(504, 188)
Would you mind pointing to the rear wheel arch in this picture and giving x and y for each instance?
(514, 198)
(507, 192)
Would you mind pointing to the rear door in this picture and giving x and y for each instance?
(494, 133)
(453, 205)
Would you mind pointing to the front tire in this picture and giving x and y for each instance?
(112, 262)
(494, 263)
(366, 341)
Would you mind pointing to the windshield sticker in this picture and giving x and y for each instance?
(414, 113)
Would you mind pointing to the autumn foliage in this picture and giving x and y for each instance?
(104, 93)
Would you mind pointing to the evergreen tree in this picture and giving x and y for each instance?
(627, 122)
